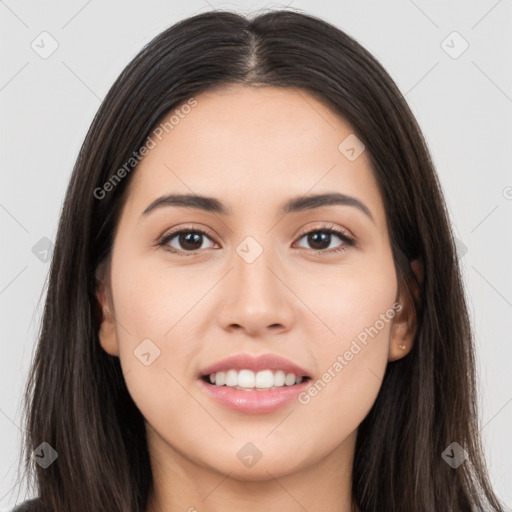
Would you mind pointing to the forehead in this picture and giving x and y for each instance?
(254, 147)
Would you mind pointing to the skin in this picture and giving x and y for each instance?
(252, 149)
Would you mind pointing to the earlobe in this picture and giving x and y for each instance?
(402, 339)
(107, 332)
(403, 330)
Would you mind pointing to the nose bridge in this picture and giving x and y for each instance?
(254, 280)
(257, 298)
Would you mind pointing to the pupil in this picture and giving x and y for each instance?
(190, 240)
(319, 237)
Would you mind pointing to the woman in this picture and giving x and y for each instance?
(255, 301)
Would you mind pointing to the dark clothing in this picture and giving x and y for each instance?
(27, 506)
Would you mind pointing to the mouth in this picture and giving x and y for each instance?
(254, 384)
(248, 380)
(258, 397)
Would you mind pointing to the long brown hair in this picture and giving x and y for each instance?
(76, 397)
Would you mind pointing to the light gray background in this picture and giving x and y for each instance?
(463, 105)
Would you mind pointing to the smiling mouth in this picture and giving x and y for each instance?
(247, 380)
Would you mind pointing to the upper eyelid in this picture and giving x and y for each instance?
(170, 234)
(326, 227)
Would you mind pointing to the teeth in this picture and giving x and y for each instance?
(279, 378)
(231, 378)
(247, 379)
(264, 379)
(290, 379)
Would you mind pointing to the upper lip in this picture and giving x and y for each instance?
(256, 364)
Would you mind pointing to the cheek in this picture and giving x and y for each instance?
(151, 298)
(352, 300)
(155, 309)
(359, 309)
(151, 315)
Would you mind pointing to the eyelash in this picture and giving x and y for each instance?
(348, 241)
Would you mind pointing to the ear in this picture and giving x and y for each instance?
(403, 330)
(107, 332)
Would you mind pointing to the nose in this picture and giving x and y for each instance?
(256, 298)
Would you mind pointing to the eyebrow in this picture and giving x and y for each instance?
(293, 205)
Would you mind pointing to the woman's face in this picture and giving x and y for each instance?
(260, 281)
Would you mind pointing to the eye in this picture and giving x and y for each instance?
(321, 239)
(187, 239)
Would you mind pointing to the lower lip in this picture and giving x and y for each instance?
(254, 402)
